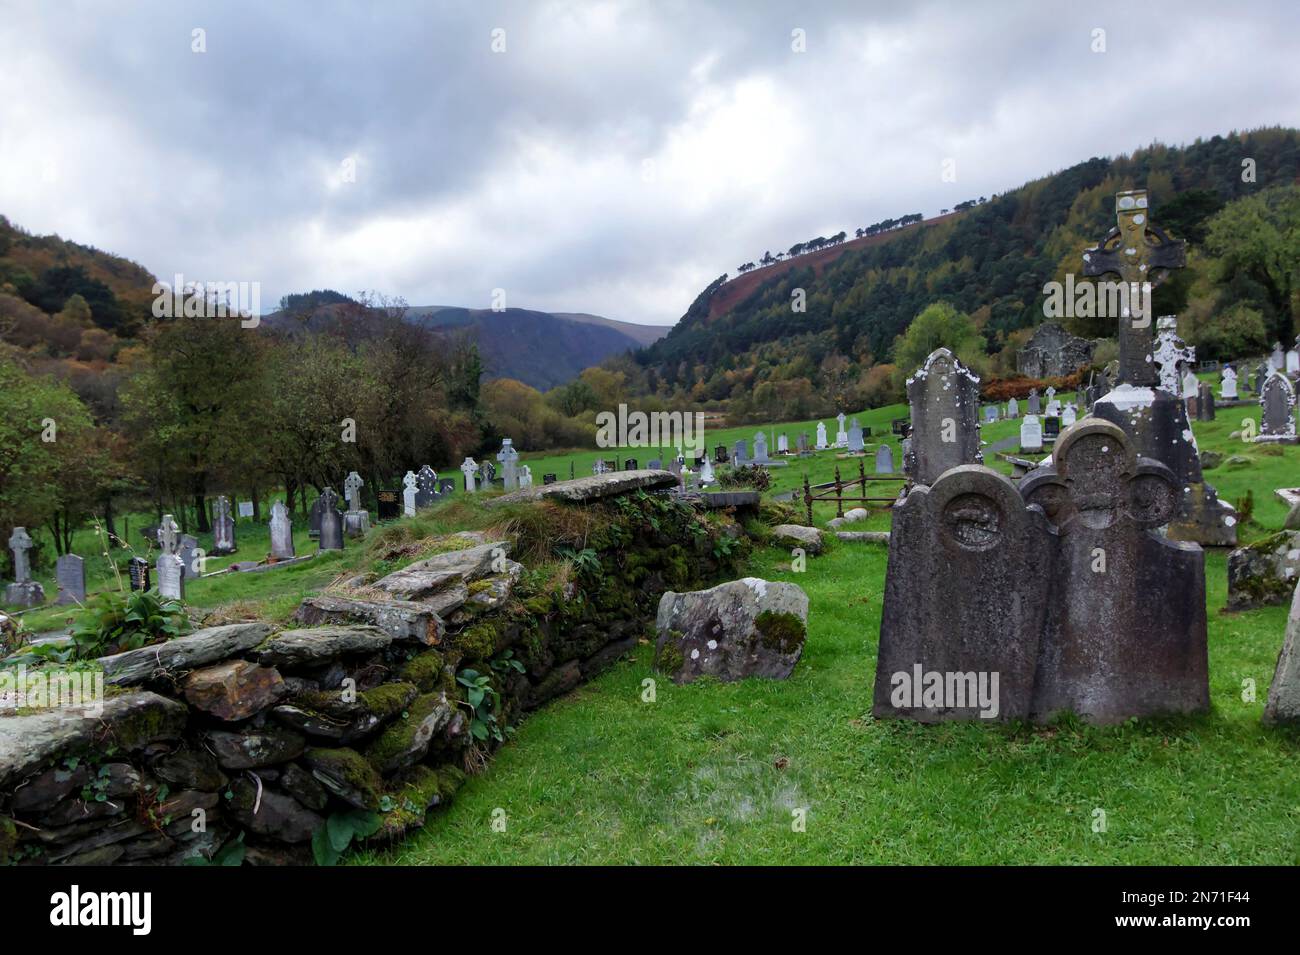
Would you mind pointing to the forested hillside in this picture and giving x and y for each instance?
(990, 261)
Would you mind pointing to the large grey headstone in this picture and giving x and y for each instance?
(331, 522)
(1283, 706)
(966, 593)
(70, 572)
(1034, 406)
(281, 532)
(223, 527)
(760, 448)
(191, 556)
(313, 519)
(855, 439)
(1126, 632)
(944, 398)
(20, 542)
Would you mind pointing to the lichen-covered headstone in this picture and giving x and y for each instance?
(966, 593)
(23, 592)
(944, 399)
(1034, 405)
(1126, 632)
(1283, 706)
(426, 487)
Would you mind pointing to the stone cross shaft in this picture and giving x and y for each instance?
(1138, 253)
(20, 543)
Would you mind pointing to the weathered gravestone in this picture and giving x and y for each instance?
(630, 464)
(281, 532)
(1204, 402)
(1013, 408)
(802, 445)
(656, 464)
(426, 487)
(855, 440)
(192, 557)
(313, 518)
(782, 444)
(965, 601)
(740, 453)
(356, 522)
(509, 459)
(410, 489)
(1228, 384)
(137, 571)
(549, 478)
(720, 455)
(388, 505)
(1125, 631)
(469, 468)
(331, 522)
(1051, 429)
(1283, 706)
(70, 572)
(944, 399)
(1171, 354)
(821, 436)
(1277, 410)
(760, 448)
(1034, 405)
(884, 459)
(1278, 357)
(246, 509)
(23, 592)
(170, 566)
(706, 472)
(1031, 434)
(223, 527)
(1154, 418)
(446, 486)
(990, 414)
(1069, 414)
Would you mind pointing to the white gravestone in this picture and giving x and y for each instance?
(1228, 385)
(469, 469)
(821, 436)
(408, 494)
(281, 532)
(1031, 434)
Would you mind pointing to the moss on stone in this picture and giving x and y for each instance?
(8, 840)
(479, 642)
(780, 631)
(346, 770)
(670, 658)
(424, 670)
(387, 700)
(398, 737)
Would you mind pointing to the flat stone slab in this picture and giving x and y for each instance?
(257, 567)
(193, 650)
(1290, 496)
(312, 644)
(401, 619)
(594, 488)
(864, 537)
(128, 721)
(442, 572)
(796, 535)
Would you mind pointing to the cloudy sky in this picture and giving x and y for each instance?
(613, 157)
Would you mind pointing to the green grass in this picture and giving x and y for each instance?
(712, 773)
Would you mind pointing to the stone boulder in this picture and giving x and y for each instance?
(234, 690)
(796, 535)
(1283, 706)
(403, 620)
(743, 628)
(1263, 573)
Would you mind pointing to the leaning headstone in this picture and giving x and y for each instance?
(281, 532)
(1228, 384)
(223, 527)
(884, 459)
(1031, 434)
(944, 399)
(470, 469)
(821, 436)
(1277, 410)
(966, 594)
(1013, 408)
(70, 572)
(1283, 706)
(410, 492)
(331, 522)
(1126, 632)
(23, 592)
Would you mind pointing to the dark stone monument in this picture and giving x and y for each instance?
(388, 505)
(965, 601)
(426, 487)
(1125, 633)
(137, 569)
(1034, 405)
(313, 519)
(630, 464)
(331, 521)
(944, 398)
(1204, 402)
(1051, 429)
(720, 455)
(548, 478)
(1277, 410)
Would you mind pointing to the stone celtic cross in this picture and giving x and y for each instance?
(352, 490)
(168, 534)
(20, 543)
(1137, 252)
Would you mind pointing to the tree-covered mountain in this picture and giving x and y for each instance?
(759, 353)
